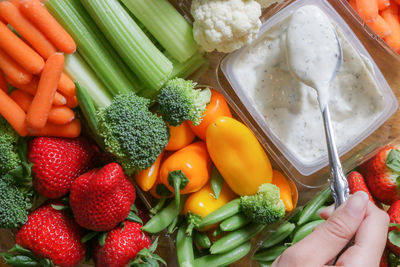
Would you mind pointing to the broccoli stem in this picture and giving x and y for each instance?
(178, 180)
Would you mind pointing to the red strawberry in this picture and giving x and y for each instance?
(52, 234)
(382, 173)
(357, 183)
(102, 198)
(57, 162)
(394, 215)
(121, 246)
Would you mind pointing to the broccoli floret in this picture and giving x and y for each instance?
(180, 102)
(9, 158)
(14, 203)
(132, 133)
(265, 207)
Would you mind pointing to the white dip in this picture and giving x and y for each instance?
(291, 109)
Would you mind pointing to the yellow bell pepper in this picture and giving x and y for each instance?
(238, 156)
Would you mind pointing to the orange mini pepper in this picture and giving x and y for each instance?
(147, 178)
(281, 181)
(180, 136)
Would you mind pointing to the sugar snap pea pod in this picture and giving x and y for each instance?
(295, 217)
(163, 218)
(270, 254)
(224, 259)
(316, 216)
(265, 264)
(279, 235)
(235, 238)
(234, 222)
(201, 239)
(184, 248)
(221, 214)
(313, 206)
(305, 230)
(172, 226)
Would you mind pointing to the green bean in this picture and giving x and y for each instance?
(221, 214)
(234, 222)
(184, 248)
(279, 235)
(165, 217)
(201, 239)
(269, 254)
(265, 264)
(305, 230)
(234, 239)
(313, 206)
(295, 217)
(316, 216)
(224, 259)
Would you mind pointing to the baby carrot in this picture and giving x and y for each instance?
(47, 24)
(69, 130)
(15, 3)
(23, 99)
(3, 83)
(280, 181)
(17, 49)
(38, 112)
(66, 86)
(12, 70)
(31, 87)
(380, 27)
(32, 35)
(390, 15)
(72, 101)
(367, 9)
(13, 113)
(383, 4)
(353, 4)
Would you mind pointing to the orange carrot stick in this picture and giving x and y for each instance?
(69, 130)
(30, 88)
(390, 15)
(66, 86)
(13, 113)
(32, 35)
(72, 102)
(367, 9)
(47, 24)
(3, 83)
(12, 70)
(38, 112)
(15, 3)
(380, 27)
(22, 53)
(22, 98)
(383, 4)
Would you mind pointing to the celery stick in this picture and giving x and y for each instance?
(185, 69)
(93, 46)
(136, 49)
(167, 25)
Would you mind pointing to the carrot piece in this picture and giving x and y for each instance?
(390, 15)
(17, 49)
(30, 88)
(32, 35)
(383, 4)
(3, 83)
(353, 4)
(13, 113)
(380, 27)
(12, 70)
(72, 102)
(38, 112)
(367, 9)
(22, 98)
(66, 86)
(16, 3)
(47, 24)
(281, 181)
(69, 130)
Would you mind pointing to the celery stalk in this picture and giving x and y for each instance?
(167, 25)
(136, 49)
(93, 46)
(185, 69)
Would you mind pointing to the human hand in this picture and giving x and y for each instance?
(358, 218)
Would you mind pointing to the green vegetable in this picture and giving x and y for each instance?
(187, 68)
(94, 47)
(221, 214)
(9, 139)
(201, 239)
(316, 216)
(217, 182)
(265, 207)
(235, 222)
(179, 102)
(163, 192)
(316, 203)
(296, 215)
(269, 254)
(172, 227)
(167, 25)
(279, 234)
(265, 264)
(178, 180)
(305, 230)
(236, 238)
(184, 248)
(224, 259)
(132, 44)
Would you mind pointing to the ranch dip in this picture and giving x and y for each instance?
(290, 108)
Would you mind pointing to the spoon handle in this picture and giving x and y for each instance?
(339, 185)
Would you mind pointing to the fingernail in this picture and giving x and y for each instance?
(357, 203)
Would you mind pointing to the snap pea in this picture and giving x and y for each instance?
(316, 216)
(234, 222)
(221, 214)
(265, 264)
(279, 235)
(305, 230)
(269, 254)
(163, 218)
(313, 206)
(295, 217)
(201, 239)
(172, 226)
(235, 238)
(184, 248)
(224, 259)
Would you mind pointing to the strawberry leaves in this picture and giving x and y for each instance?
(21, 257)
(393, 160)
(147, 257)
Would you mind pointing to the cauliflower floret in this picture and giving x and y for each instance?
(225, 25)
